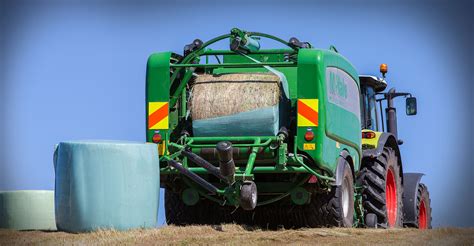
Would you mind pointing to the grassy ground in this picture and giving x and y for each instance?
(237, 235)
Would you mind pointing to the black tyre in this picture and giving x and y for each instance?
(248, 195)
(205, 212)
(178, 213)
(382, 188)
(332, 209)
(423, 207)
(335, 208)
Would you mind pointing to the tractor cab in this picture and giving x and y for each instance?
(372, 88)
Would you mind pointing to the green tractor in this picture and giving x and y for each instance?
(272, 138)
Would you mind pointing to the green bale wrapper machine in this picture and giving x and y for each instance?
(272, 137)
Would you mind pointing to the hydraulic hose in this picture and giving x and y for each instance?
(310, 170)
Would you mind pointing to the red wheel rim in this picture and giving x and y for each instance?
(422, 220)
(391, 198)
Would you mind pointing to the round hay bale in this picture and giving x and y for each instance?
(106, 185)
(228, 94)
(27, 210)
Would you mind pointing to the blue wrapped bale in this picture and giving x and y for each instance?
(258, 122)
(106, 185)
(239, 104)
(27, 210)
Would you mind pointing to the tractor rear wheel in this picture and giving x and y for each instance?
(382, 188)
(423, 207)
(334, 208)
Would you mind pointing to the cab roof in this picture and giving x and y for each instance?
(379, 84)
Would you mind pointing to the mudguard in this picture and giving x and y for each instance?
(341, 161)
(410, 190)
(381, 139)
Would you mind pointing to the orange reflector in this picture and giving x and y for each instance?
(158, 115)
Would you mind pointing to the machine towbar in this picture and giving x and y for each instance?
(196, 178)
(203, 163)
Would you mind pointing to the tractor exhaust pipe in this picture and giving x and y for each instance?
(226, 160)
(196, 178)
(391, 113)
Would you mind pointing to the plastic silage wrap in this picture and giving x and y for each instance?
(27, 210)
(243, 104)
(106, 185)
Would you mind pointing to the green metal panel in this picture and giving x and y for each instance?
(158, 86)
(337, 129)
(308, 88)
(342, 119)
(158, 77)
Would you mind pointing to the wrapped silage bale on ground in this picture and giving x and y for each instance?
(106, 185)
(239, 104)
(27, 210)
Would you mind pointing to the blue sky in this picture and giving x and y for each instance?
(76, 70)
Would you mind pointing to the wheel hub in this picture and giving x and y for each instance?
(345, 197)
(422, 218)
(254, 197)
(391, 198)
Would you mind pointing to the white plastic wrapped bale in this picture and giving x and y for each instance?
(106, 185)
(27, 210)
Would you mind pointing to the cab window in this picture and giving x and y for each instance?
(369, 110)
